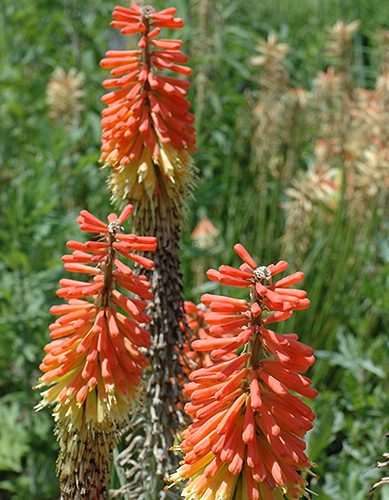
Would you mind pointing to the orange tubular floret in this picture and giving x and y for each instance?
(94, 350)
(247, 400)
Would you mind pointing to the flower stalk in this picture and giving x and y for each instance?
(245, 439)
(147, 138)
(94, 362)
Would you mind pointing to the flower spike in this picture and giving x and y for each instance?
(194, 329)
(147, 139)
(94, 362)
(245, 439)
(147, 128)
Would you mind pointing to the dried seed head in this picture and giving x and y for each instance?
(271, 58)
(64, 96)
(339, 38)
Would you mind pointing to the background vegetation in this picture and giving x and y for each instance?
(48, 172)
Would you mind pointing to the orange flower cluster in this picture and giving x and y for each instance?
(93, 364)
(195, 316)
(146, 125)
(197, 329)
(245, 439)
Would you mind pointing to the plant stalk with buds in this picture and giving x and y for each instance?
(147, 139)
(94, 362)
(245, 441)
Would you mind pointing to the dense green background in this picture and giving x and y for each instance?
(47, 174)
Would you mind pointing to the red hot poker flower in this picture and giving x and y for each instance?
(196, 329)
(245, 439)
(147, 138)
(146, 125)
(94, 363)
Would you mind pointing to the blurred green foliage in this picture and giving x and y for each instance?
(48, 172)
